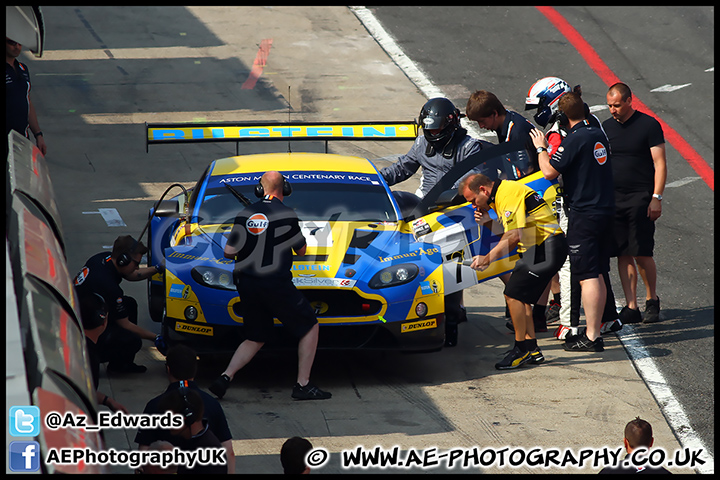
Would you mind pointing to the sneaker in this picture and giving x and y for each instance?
(309, 392)
(552, 314)
(563, 332)
(582, 343)
(126, 368)
(220, 385)
(652, 311)
(630, 315)
(514, 359)
(609, 327)
(536, 356)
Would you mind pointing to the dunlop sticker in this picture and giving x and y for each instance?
(415, 326)
(194, 329)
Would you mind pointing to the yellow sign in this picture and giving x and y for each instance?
(181, 132)
(415, 326)
(194, 329)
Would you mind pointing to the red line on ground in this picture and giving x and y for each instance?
(608, 76)
(258, 64)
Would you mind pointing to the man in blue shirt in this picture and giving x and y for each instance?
(583, 158)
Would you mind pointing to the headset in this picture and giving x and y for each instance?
(189, 412)
(93, 310)
(286, 189)
(125, 258)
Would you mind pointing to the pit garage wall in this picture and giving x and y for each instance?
(45, 355)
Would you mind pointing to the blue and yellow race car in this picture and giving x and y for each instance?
(378, 264)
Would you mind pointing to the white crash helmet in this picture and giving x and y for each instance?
(544, 96)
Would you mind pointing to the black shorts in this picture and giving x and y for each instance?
(533, 272)
(590, 242)
(634, 231)
(262, 299)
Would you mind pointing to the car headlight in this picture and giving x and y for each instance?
(213, 277)
(394, 276)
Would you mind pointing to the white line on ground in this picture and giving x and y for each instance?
(411, 70)
(671, 408)
(110, 215)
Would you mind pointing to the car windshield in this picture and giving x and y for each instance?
(311, 202)
(506, 161)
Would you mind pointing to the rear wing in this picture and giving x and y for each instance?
(157, 133)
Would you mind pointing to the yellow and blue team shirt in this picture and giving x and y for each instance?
(520, 207)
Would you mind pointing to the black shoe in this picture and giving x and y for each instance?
(652, 311)
(309, 392)
(220, 385)
(510, 326)
(552, 314)
(514, 359)
(536, 356)
(451, 335)
(582, 343)
(630, 315)
(126, 368)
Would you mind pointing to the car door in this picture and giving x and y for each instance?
(443, 217)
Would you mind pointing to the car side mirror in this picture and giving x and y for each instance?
(168, 208)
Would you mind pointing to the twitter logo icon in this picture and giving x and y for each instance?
(24, 421)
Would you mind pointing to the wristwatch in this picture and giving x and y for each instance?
(541, 149)
(657, 195)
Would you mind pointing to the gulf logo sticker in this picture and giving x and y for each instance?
(257, 223)
(600, 153)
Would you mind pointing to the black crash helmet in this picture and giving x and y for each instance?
(439, 114)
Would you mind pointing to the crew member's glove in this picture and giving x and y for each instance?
(160, 268)
(161, 345)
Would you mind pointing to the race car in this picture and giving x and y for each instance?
(378, 263)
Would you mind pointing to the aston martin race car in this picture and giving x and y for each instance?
(378, 263)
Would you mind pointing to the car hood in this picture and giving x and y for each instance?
(335, 250)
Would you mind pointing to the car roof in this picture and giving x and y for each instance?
(291, 162)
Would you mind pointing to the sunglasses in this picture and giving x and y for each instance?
(12, 43)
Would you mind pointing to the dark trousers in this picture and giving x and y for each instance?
(116, 345)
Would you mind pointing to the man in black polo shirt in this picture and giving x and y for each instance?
(94, 316)
(583, 159)
(102, 274)
(640, 170)
(195, 433)
(19, 110)
(181, 365)
(262, 242)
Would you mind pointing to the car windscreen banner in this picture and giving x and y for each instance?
(258, 131)
(298, 177)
